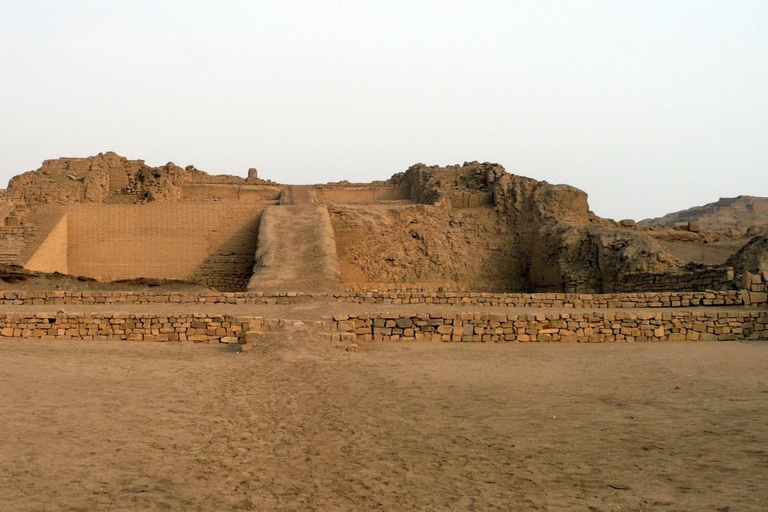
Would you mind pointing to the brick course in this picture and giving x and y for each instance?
(533, 300)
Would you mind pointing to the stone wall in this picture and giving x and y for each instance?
(706, 279)
(563, 300)
(590, 327)
(52, 253)
(510, 300)
(117, 326)
(596, 326)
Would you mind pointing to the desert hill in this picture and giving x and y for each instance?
(742, 213)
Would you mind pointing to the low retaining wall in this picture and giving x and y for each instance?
(699, 280)
(563, 300)
(115, 326)
(597, 326)
(539, 300)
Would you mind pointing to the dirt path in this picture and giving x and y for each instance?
(295, 425)
(297, 251)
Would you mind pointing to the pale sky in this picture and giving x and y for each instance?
(648, 106)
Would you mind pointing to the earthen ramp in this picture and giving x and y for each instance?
(297, 251)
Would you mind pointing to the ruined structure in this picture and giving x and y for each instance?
(472, 227)
(181, 255)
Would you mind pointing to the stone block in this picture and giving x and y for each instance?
(253, 336)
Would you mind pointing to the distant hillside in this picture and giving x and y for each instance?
(730, 212)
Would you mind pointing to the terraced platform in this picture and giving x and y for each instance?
(362, 322)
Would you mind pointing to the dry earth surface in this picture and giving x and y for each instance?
(298, 425)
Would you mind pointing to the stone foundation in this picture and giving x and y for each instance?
(597, 326)
(198, 328)
(537, 326)
(530, 300)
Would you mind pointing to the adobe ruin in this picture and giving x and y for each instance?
(471, 227)
(121, 250)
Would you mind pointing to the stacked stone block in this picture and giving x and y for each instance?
(198, 328)
(756, 298)
(700, 280)
(557, 327)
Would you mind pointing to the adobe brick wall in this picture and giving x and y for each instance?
(229, 192)
(360, 194)
(590, 327)
(209, 242)
(52, 253)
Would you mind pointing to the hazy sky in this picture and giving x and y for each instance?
(648, 106)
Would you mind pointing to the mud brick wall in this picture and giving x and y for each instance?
(359, 194)
(115, 326)
(211, 243)
(597, 326)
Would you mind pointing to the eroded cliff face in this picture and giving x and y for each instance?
(568, 247)
(485, 229)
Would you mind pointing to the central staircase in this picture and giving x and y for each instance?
(297, 249)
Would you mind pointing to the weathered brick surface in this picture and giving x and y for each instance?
(211, 243)
(538, 300)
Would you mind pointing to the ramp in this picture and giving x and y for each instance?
(297, 251)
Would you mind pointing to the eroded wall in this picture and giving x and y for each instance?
(421, 245)
(213, 243)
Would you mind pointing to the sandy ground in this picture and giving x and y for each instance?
(297, 425)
